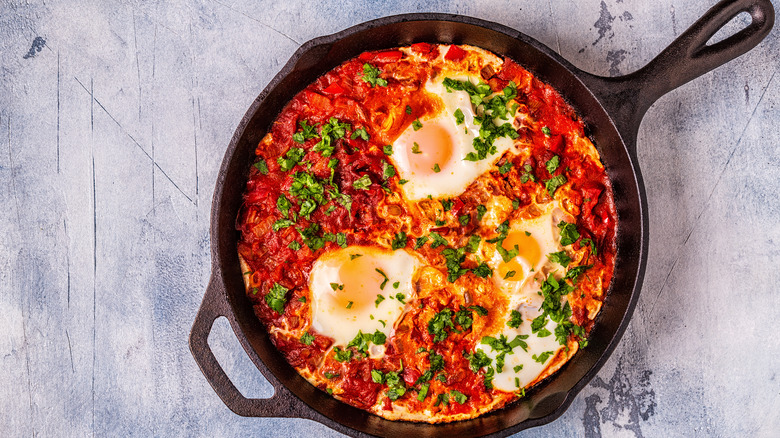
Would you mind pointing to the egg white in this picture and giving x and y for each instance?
(524, 296)
(353, 273)
(456, 173)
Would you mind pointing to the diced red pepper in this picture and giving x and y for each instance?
(366, 56)
(455, 53)
(510, 70)
(456, 206)
(555, 143)
(410, 376)
(318, 101)
(334, 88)
(421, 48)
(388, 56)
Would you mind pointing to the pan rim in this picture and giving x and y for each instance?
(230, 153)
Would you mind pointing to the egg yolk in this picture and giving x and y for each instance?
(361, 284)
(430, 145)
(528, 249)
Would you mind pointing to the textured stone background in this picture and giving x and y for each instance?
(114, 117)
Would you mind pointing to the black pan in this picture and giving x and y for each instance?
(612, 109)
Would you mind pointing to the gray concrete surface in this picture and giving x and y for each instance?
(114, 117)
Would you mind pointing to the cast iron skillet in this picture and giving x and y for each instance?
(612, 108)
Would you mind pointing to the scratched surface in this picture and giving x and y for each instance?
(114, 118)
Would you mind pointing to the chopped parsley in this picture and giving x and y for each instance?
(388, 149)
(342, 355)
(446, 204)
(384, 282)
(396, 284)
(276, 297)
(515, 319)
(408, 109)
(552, 164)
(569, 233)
(379, 299)
(560, 257)
(458, 396)
(360, 133)
(329, 375)
(437, 240)
(478, 360)
(282, 223)
(400, 240)
(481, 210)
(465, 318)
(453, 259)
(509, 274)
(505, 168)
(329, 133)
(302, 299)
(574, 273)
(546, 131)
(482, 270)
(354, 256)
(371, 76)
(362, 183)
(362, 341)
(492, 109)
(423, 392)
(438, 324)
(542, 358)
(554, 183)
(459, 117)
(553, 291)
(336, 286)
(589, 242)
(464, 219)
(307, 338)
(349, 304)
(262, 166)
(306, 186)
(388, 171)
(507, 254)
(527, 174)
(416, 148)
(417, 125)
(396, 385)
(420, 241)
(291, 158)
(307, 132)
(503, 346)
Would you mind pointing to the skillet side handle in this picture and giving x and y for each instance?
(628, 97)
(213, 306)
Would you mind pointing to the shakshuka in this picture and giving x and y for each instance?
(427, 232)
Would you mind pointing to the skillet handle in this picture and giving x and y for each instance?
(688, 57)
(214, 305)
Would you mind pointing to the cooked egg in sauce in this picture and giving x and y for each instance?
(519, 273)
(431, 153)
(360, 288)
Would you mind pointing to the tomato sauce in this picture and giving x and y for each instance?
(281, 256)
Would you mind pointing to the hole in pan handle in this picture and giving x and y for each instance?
(215, 305)
(627, 97)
